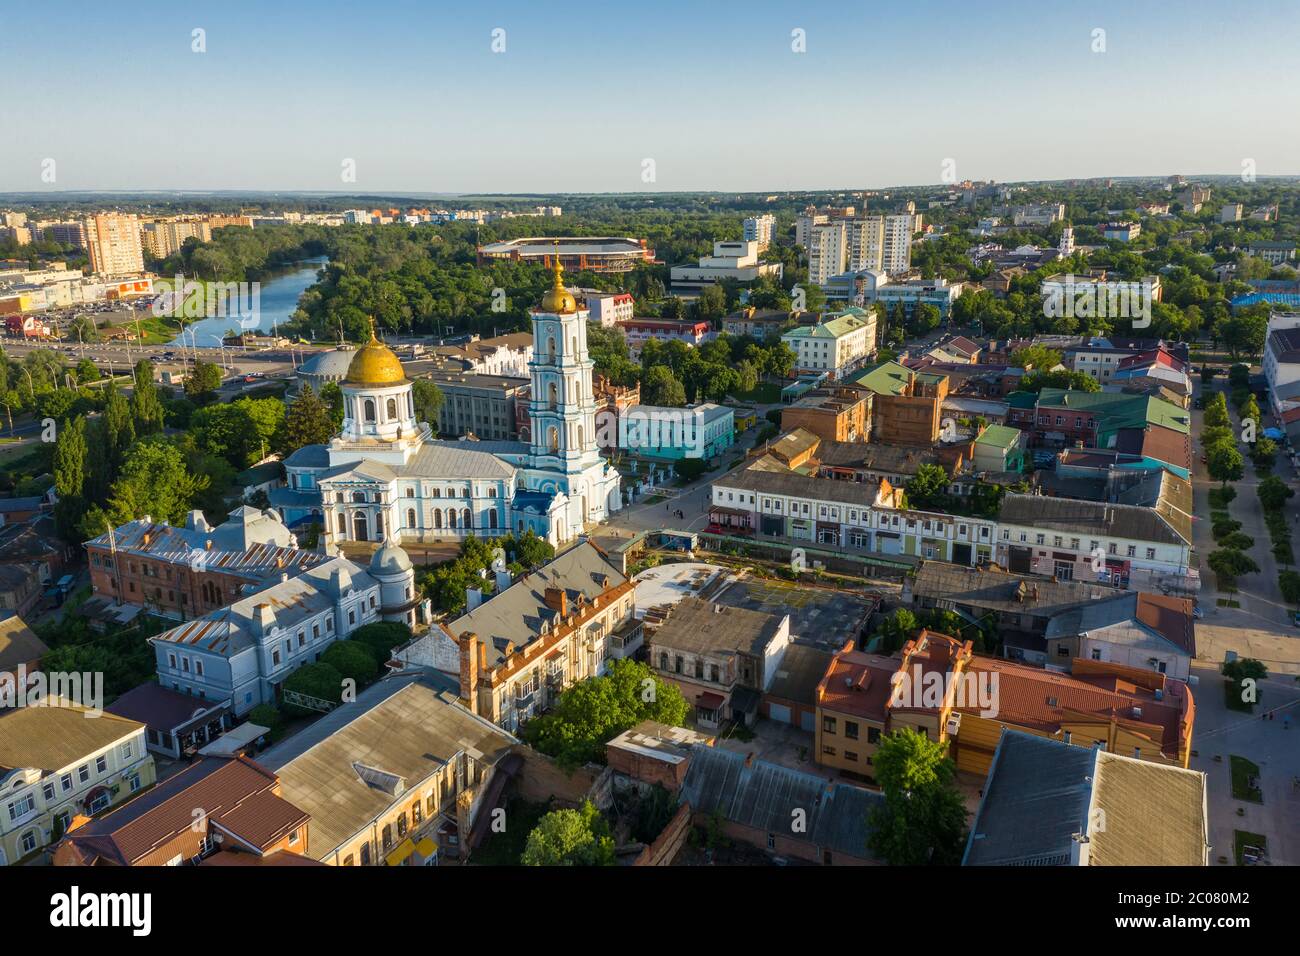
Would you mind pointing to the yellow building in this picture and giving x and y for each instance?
(939, 687)
(57, 763)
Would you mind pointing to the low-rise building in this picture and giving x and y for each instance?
(400, 777)
(242, 653)
(57, 764)
(1128, 546)
(722, 658)
(639, 331)
(514, 652)
(840, 342)
(698, 431)
(176, 726)
(190, 570)
(479, 405)
(1088, 807)
(736, 262)
(1000, 448)
(1135, 629)
(213, 808)
(833, 413)
(610, 308)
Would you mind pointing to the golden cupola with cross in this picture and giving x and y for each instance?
(375, 364)
(558, 300)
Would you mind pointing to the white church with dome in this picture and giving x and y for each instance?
(385, 478)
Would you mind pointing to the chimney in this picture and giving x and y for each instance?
(557, 599)
(503, 581)
(471, 653)
(263, 619)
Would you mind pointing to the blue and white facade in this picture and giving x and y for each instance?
(384, 477)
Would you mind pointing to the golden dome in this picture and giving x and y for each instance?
(558, 299)
(374, 364)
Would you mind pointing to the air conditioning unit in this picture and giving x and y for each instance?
(953, 725)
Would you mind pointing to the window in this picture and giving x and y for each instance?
(1132, 550)
(66, 782)
(22, 806)
(101, 764)
(851, 729)
(1151, 554)
(83, 773)
(29, 841)
(873, 735)
(828, 751)
(828, 725)
(48, 790)
(851, 755)
(365, 854)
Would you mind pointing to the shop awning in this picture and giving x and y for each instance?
(397, 856)
(710, 701)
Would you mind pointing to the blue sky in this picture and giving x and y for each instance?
(585, 92)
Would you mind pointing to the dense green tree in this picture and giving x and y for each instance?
(923, 819)
(661, 387)
(70, 477)
(428, 399)
(306, 422)
(203, 381)
(592, 712)
(353, 659)
(154, 481)
(146, 406)
(570, 838)
(332, 396)
(928, 488)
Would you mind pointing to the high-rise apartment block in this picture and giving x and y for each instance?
(163, 238)
(759, 229)
(113, 241)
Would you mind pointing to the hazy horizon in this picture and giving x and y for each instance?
(414, 96)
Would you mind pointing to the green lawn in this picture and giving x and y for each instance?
(1242, 839)
(1242, 771)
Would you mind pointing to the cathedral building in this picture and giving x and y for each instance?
(385, 478)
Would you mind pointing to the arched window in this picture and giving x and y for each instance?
(392, 409)
(359, 527)
(581, 437)
(379, 524)
(553, 438)
(410, 517)
(492, 519)
(451, 518)
(550, 347)
(573, 346)
(663, 661)
(359, 497)
(370, 409)
(467, 518)
(437, 518)
(343, 524)
(552, 395)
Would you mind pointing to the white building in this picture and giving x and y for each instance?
(731, 260)
(759, 229)
(385, 477)
(1043, 214)
(839, 344)
(610, 308)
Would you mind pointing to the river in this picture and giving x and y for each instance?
(274, 300)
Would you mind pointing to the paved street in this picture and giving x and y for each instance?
(1221, 733)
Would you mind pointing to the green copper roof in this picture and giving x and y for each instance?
(887, 378)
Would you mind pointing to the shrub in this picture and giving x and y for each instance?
(381, 637)
(1236, 541)
(1222, 497)
(267, 715)
(353, 660)
(315, 680)
(1289, 583)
